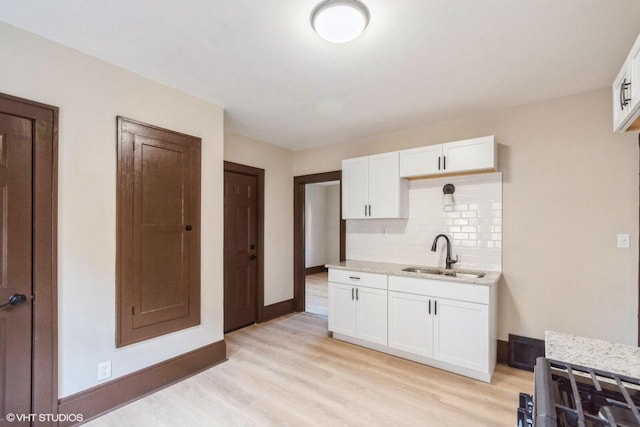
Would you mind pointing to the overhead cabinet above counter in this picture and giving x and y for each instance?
(470, 155)
(372, 188)
(376, 187)
(626, 93)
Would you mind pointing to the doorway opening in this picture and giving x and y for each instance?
(243, 246)
(319, 237)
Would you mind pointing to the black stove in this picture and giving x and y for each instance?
(568, 395)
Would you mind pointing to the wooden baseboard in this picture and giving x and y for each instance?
(503, 352)
(278, 309)
(315, 270)
(98, 400)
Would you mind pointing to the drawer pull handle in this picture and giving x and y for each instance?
(354, 278)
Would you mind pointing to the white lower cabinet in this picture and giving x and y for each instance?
(444, 324)
(358, 311)
(451, 331)
(371, 315)
(342, 309)
(461, 333)
(411, 323)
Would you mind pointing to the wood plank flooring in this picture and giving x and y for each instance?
(317, 294)
(287, 372)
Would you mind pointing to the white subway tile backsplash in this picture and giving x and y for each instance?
(474, 224)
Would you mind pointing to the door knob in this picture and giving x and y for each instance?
(252, 257)
(15, 299)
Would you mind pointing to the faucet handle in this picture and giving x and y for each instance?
(456, 260)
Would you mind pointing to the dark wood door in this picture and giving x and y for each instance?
(159, 231)
(16, 145)
(240, 249)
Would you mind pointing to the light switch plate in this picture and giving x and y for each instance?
(623, 240)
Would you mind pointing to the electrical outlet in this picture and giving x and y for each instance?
(623, 240)
(104, 370)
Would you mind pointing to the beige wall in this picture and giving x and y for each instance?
(90, 94)
(570, 184)
(278, 215)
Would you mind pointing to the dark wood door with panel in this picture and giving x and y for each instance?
(16, 145)
(240, 247)
(159, 231)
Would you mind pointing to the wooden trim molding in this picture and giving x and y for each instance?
(299, 183)
(315, 270)
(45, 242)
(279, 309)
(98, 400)
(259, 173)
(503, 352)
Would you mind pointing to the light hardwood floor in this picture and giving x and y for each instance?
(287, 372)
(317, 293)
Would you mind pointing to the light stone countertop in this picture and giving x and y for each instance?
(490, 278)
(598, 354)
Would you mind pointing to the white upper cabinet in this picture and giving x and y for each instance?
(421, 161)
(469, 155)
(477, 154)
(626, 93)
(372, 188)
(355, 188)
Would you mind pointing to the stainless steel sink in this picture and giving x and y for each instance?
(466, 275)
(422, 270)
(450, 273)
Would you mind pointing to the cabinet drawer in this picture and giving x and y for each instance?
(370, 280)
(440, 289)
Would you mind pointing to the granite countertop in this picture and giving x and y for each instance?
(490, 278)
(598, 354)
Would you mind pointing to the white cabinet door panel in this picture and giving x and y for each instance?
(468, 155)
(342, 309)
(384, 185)
(410, 323)
(461, 333)
(371, 315)
(621, 94)
(421, 161)
(355, 188)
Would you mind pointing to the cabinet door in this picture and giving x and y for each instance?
(634, 70)
(421, 161)
(371, 315)
(342, 309)
(468, 155)
(461, 333)
(355, 188)
(411, 323)
(384, 185)
(622, 89)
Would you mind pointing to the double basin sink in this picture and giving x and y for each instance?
(444, 272)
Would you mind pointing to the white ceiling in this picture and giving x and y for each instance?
(419, 61)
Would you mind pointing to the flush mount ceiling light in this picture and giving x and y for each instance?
(340, 21)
